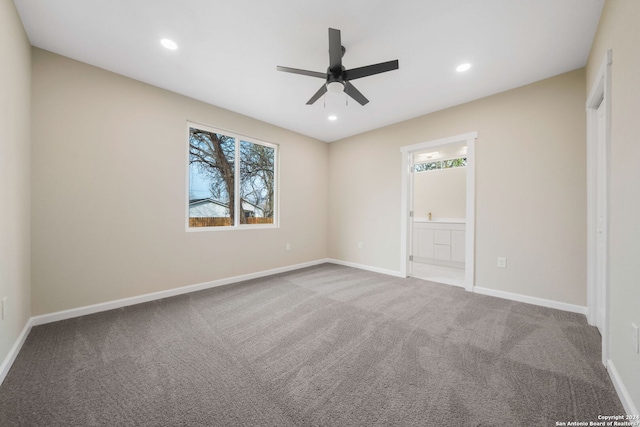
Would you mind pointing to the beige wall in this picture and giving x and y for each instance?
(530, 188)
(15, 171)
(441, 192)
(109, 183)
(618, 30)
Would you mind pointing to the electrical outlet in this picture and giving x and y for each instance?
(287, 247)
(5, 308)
(502, 262)
(635, 338)
(360, 246)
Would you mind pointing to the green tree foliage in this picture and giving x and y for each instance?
(440, 164)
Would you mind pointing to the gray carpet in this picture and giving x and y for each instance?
(322, 346)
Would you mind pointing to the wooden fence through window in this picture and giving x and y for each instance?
(223, 221)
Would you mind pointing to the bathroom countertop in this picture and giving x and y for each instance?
(441, 220)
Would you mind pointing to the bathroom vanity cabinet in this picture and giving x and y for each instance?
(439, 242)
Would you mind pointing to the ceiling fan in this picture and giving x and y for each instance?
(337, 76)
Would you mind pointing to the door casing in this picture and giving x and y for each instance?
(597, 201)
(407, 192)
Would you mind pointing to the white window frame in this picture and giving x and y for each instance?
(237, 200)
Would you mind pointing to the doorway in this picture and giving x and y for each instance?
(438, 214)
(439, 246)
(598, 148)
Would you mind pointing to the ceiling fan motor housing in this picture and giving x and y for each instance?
(333, 77)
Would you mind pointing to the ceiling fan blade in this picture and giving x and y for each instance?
(335, 51)
(317, 95)
(351, 90)
(303, 72)
(369, 70)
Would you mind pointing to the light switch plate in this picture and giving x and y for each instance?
(5, 308)
(635, 338)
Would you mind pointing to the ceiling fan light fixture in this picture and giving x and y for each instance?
(335, 87)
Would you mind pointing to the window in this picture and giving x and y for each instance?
(440, 164)
(454, 163)
(232, 180)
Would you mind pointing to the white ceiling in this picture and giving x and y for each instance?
(229, 49)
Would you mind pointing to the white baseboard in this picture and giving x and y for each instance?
(365, 267)
(13, 352)
(622, 391)
(531, 300)
(480, 290)
(110, 305)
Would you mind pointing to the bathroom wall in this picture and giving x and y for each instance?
(441, 192)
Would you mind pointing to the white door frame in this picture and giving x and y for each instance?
(599, 96)
(406, 196)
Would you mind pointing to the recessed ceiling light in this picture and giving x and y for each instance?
(169, 44)
(463, 67)
(333, 118)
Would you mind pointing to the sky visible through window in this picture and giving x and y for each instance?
(198, 184)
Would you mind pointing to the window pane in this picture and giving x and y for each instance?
(444, 164)
(427, 166)
(454, 163)
(257, 174)
(211, 179)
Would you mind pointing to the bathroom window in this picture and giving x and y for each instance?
(440, 164)
(454, 163)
